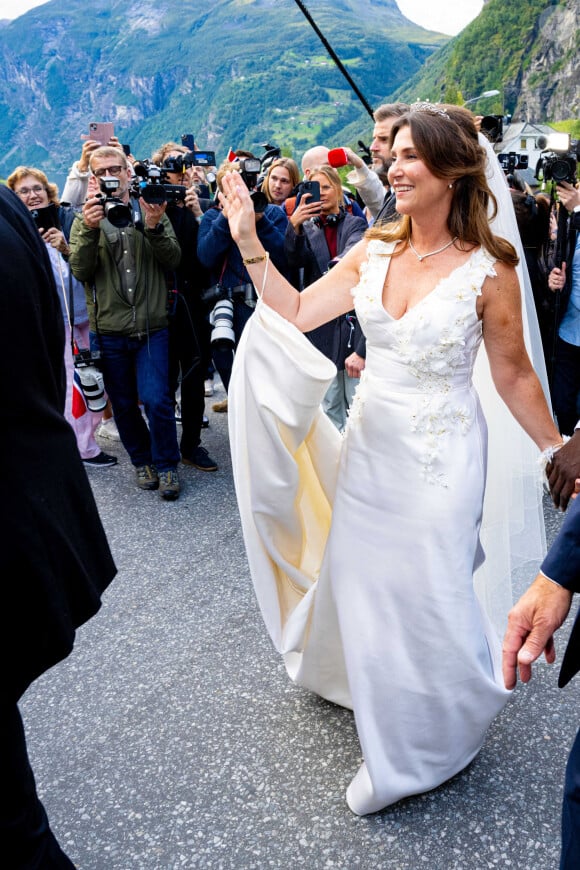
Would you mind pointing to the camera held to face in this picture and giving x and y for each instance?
(250, 168)
(115, 210)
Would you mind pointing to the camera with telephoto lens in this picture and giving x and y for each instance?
(86, 363)
(115, 210)
(222, 321)
(250, 171)
(559, 159)
(512, 161)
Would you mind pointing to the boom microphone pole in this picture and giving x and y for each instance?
(334, 56)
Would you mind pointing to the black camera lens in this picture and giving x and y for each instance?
(118, 213)
(260, 201)
(154, 194)
(561, 170)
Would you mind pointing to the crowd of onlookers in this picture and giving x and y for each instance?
(154, 293)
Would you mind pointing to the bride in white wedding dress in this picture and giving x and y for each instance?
(363, 550)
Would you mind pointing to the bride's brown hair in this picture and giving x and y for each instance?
(446, 141)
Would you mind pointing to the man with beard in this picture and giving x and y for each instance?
(367, 183)
(380, 204)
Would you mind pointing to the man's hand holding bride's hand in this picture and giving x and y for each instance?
(564, 471)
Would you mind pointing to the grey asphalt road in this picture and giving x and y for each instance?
(172, 737)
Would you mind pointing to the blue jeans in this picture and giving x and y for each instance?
(138, 369)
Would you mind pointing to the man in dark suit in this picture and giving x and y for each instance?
(55, 557)
(531, 626)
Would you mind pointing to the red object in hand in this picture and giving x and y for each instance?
(337, 157)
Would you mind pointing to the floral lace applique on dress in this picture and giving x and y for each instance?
(436, 340)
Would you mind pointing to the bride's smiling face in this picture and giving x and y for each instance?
(415, 186)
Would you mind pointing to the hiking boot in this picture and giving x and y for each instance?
(169, 484)
(221, 407)
(146, 477)
(201, 459)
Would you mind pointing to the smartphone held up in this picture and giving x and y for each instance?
(100, 131)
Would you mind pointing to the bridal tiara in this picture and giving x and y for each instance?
(429, 108)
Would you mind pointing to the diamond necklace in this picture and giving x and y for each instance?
(422, 257)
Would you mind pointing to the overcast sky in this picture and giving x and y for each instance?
(446, 16)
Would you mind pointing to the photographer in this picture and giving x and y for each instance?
(219, 253)
(76, 186)
(280, 180)
(119, 247)
(565, 280)
(189, 353)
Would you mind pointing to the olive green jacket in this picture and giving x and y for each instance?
(94, 254)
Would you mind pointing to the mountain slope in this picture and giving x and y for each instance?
(233, 72)
(527, 49)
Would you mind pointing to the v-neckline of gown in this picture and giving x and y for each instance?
(429, 294)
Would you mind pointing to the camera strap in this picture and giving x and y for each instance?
(71, 312)
(222, 273)
(136, 215)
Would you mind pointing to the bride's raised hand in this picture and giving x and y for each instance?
(238, 208)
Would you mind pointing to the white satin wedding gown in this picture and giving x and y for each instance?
(363, 550)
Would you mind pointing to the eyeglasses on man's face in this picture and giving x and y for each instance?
(26, 191)
(108, 170)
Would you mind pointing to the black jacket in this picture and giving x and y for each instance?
(562, 564)
(55, 557)
(309, 252)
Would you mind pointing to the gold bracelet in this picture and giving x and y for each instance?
(248, 261)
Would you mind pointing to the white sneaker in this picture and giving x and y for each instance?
(108, 429)
(208, 387)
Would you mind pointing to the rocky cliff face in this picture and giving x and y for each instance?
(525, 49)
(550, 86)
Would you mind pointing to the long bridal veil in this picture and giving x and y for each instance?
(512, 532)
